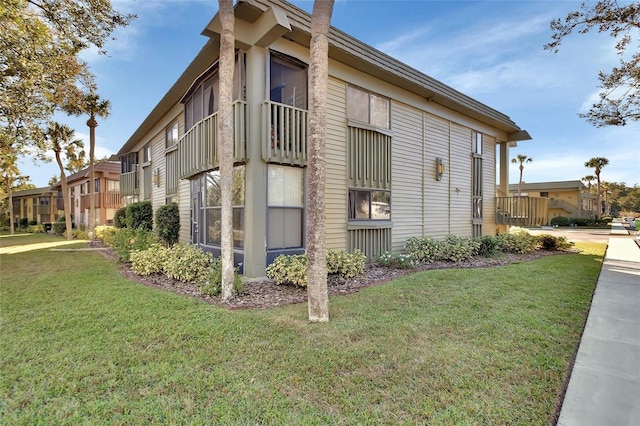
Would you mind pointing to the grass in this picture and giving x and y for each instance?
(80, 344)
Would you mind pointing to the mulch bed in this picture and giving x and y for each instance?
(264, 294)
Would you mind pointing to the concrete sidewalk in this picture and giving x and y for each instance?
(604, 388)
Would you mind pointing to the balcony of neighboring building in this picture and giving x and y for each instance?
(104, 200)
(522, 211)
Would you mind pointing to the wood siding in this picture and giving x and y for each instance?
(407, 192)
(336, 168)
(436, 193)
(460, 181)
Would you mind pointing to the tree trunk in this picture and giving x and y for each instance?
(225, 142)
(10, 192)
(318, 299)
(599, 196)
(65, 197)
(92, 198)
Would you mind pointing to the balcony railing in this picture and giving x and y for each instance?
(44, 209)
(284, 137)
(129, 183)
(104, 200)
(198, 148)
(522, 211)
(561, 204)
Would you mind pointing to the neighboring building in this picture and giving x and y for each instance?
(406, 155)
(107, 194)
(567, 198)
(36, 205)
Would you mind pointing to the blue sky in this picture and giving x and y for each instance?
(489, 50)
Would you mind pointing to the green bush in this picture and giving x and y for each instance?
(213, 284)
(347, 265)
(399, 261)
(36, 229)
(518, 240)
(32, 223)
(289, 269)
(80, 234)
(120, 218)
(188, 263)
(59, 227)
(560, 221)
(488, 245)
(424, 249)
(126, 240)
(106, 234)
(458, 249)
(168, 223)
(140, 215)
(551, 242)
(149, 261)
(23, 222)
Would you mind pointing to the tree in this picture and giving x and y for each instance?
(318, 299)
(225, 142)
(620, 95)
(597, 163)
(589, 181)
(61, 138)
(40, 68)
(94, 107)
(521, 159)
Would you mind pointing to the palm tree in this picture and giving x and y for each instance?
(61, 138)
(225, 142)
(597, 163)
(589, 181)
(521, 159)
(95, 107)
(318, 299)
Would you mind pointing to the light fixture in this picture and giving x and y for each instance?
(439, 168)
(156, 176)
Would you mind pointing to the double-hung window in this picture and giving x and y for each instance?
(477, 182)
(213, 207)
(285, 200)
(171, 159)
(368, 108)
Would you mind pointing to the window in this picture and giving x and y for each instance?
(213, 206)
(368, 108)
(44, 201)
(544, 194)
(113, 185)
(477, 183)
(285, 199)
(146, 180)
(367, 204)
(96, 186)
(146, 154)
(287, 81)
(129, 162)
(171, 135)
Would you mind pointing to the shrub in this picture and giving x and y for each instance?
(168, 223)
(36, 229)
(424, 249)
(488, 245)
(581, 221)
(106, 234)
(126, 240)
(59, 227)
(140, 215)
(400, 261)
(32, 223)
(188, 263)
(518, 240)
(23, 222)
(457, 249)
(120, 218)
(551, 242)
(347, 265)
(560, 221)
(149, 261)
(80, 234)
(289, 269)
(213, 284)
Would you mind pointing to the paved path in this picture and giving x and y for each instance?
(604, 389)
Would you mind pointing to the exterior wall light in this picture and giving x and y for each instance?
(156, 176)
(439, 168)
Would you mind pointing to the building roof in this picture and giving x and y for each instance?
(565, 184)
(343, 48)
(103, 167)
(33, 192)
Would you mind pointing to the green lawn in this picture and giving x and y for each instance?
(80, 344)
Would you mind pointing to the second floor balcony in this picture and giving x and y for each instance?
(284, 134)
(198, 148)
(104, 200)
(129, 183)
(522, 211)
